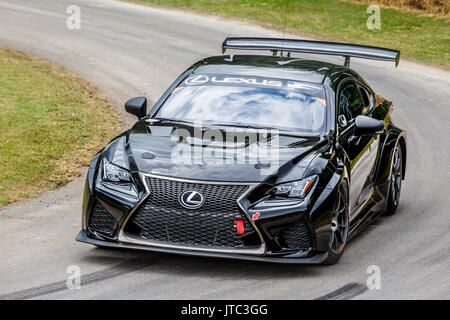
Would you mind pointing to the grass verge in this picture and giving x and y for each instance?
(420, 37)
(51, 123)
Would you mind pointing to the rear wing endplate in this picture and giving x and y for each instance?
(346, 50)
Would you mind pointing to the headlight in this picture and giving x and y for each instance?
(113, 173)
(115, 163)
(296, 189)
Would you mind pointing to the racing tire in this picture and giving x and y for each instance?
(395, 183)
(339, 227)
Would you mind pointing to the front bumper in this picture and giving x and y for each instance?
(315, 259)
(272, 224)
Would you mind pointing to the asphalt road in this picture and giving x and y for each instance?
(128, 50)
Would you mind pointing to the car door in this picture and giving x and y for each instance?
(361, 152)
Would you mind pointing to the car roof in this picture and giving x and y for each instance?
(267, 66)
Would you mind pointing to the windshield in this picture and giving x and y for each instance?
(246, 105)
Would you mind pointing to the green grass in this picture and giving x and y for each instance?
(419, 37)
(51, 123)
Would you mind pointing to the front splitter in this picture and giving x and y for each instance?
(315, 259)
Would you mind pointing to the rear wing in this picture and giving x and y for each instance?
(346, 50)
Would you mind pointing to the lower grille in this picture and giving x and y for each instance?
(101, 221)
(162, 218)
(297, 236)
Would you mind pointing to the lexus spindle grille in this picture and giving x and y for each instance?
(161, 217)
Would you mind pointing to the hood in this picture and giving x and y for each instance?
(220, 153)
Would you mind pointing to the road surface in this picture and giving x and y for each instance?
(128, 50)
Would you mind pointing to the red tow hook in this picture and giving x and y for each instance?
(240, 226)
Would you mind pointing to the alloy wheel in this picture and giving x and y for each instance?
(396, 177)
(339, 225)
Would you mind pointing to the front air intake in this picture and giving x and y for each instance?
(101, 221)
(297, 236)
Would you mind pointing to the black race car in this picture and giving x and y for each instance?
(257, 157)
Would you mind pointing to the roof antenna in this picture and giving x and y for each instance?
(284, 29)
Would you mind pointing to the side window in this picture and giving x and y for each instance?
(366, 99)
(350, 103)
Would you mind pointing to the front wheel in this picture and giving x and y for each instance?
(395, 185)
(339, 227)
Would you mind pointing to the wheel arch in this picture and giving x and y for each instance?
(402, 143)
(394, 137)
(321, 212)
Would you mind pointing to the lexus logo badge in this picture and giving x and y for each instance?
(191, 199)
(197, 79)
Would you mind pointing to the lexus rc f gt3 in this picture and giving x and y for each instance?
(257, 157)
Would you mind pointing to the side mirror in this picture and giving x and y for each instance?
(137, 106)
(366, 126)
